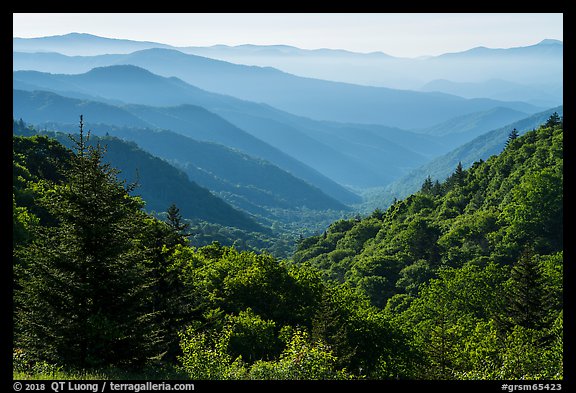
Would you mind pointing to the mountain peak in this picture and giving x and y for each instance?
(119, 73)
(549, 41)
(77, 34)
(119, 69)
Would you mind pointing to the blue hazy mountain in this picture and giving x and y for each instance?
(137, 85)
(211, 165)
(41, 106)
(251, 184)
(535, 65)
(540, 64)
(81, 44)
(547, 95)
(480, 148)
(313, 98)
(462, 129)
(348, 155)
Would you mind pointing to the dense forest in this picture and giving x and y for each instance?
(461, 280)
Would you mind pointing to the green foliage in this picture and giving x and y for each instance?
(204, 356)
(250, 337)
(233, 281)
(450, 269)
(535, 211)
(302, 359)
(522, 354)
(487, 212)
(446, 309)
(462, 280)
(255, 301)
(82, 292)
(23, 223)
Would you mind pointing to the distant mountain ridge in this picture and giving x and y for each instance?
(312, 98)
(73, 43)
(213, 166)
(541, 62)
(81, 44)
(335, 136)
(463, 129)
(111, 85)
(541, 95)
(340, 157)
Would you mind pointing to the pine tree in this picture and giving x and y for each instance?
(457, 178)
(174, 220)
(512, 136)
(459, 174)
(553, 120)
(528, 303)
(84, 299)
(427, 186)
(437, 188)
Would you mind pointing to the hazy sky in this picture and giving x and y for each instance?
(407, 35)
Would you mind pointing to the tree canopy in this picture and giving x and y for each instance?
(461, 280)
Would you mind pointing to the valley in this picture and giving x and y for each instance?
(263, 212)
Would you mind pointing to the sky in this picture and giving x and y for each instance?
(396, 34)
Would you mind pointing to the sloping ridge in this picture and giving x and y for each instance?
(145, 88)
(230, 165)
(480, 148)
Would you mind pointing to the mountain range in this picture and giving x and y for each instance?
(356, 155)
(313, 98)
(217, 167)
(266, 139)
(529, 69)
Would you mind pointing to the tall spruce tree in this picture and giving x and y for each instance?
(84, 298)
(528, 302)
(172, 305)
(427, 186)
(512, 136)
(175, 221)
(553, 120)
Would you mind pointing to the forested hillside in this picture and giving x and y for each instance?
(135, 122)
(161, 185)
(461, 280)
(158, 183)
(471, 268)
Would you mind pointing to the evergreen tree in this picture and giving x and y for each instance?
(553, 120)
(459, 173)
(427, 186)
(328, 325)
(84, 294)
(456, 178)
(528, 304)
(437, 188)
(174, 220)
(171, 303)
(512, 136)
